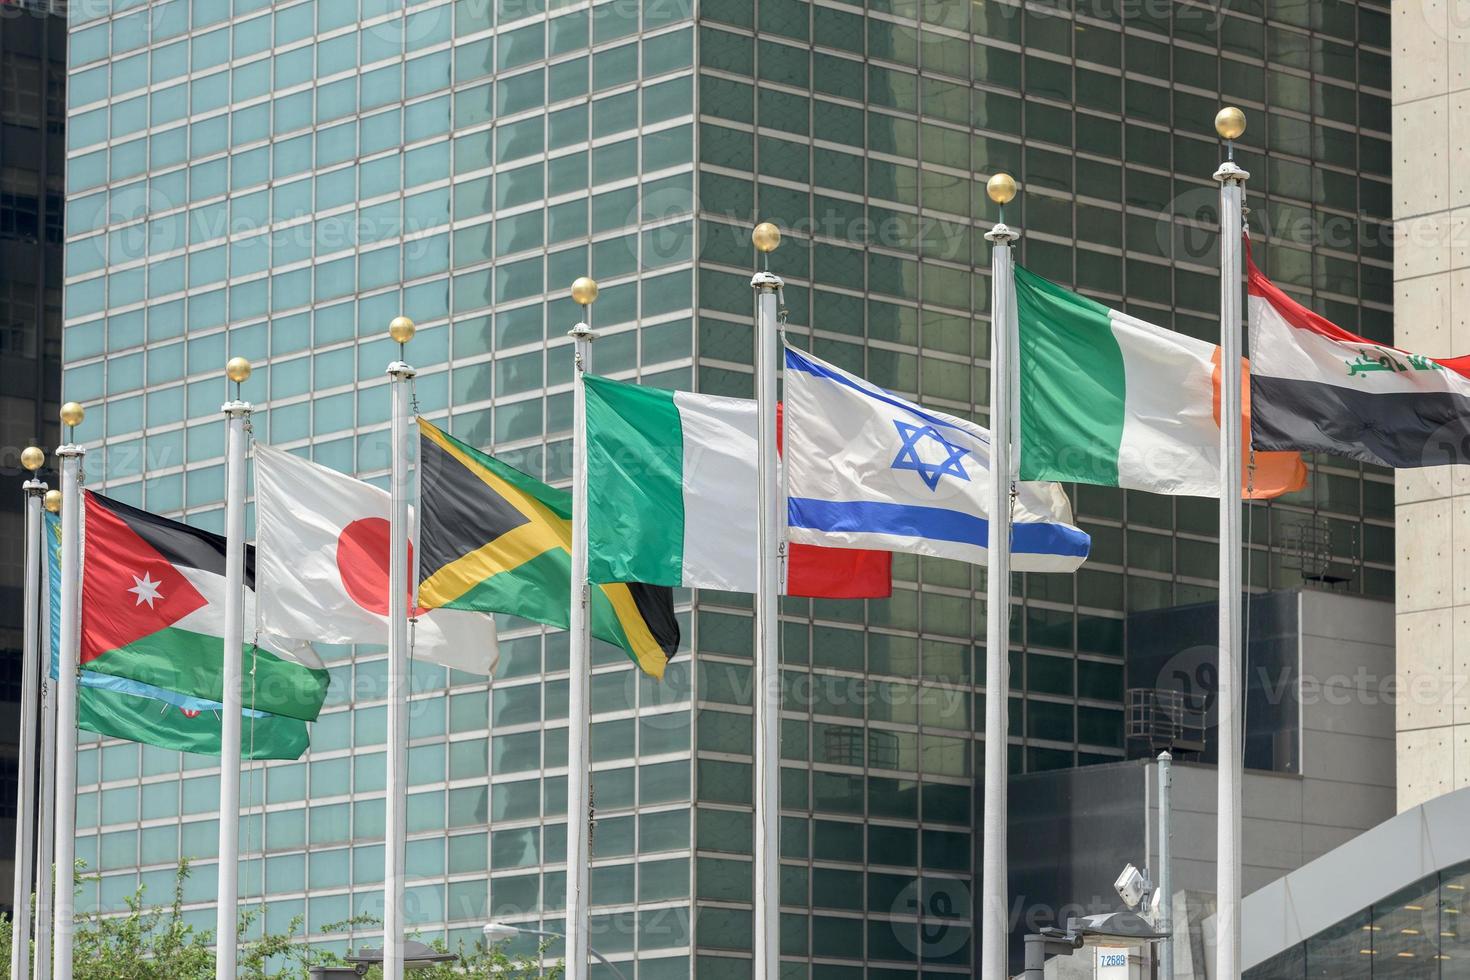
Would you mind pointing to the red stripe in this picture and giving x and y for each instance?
(1298, 316)
(834, 573)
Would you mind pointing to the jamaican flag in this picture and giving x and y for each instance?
(493, 539)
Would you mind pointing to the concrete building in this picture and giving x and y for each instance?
(1431, 189)
(32, 164)
(278, 180)
(1072, 832)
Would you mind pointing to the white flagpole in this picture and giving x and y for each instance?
(1229, 123)
(32, 458)
(767, 676)
(227, 902)
(45, 880)
(64, 925)
(994, 935)
(400, 376)
(579, 701)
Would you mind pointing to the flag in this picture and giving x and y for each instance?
(153, 610)
(869, 469)
(671, 487)
(120, 707)
(496, 540)
(1318, 388)
(323, 540)
(833, 573)
(673, 498)
(1107, 398)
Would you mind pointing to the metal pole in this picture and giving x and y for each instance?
(400, 376)
(30, 696)
(994, 933)
(64, 925)
(556, 935)
(1164, 922)
(226, 921)
(1227, 935)
(767, 675)
(45, 878)
(579, 693)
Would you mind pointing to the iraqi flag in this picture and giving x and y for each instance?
(153, 595)
(323, 541)
(1317, 388)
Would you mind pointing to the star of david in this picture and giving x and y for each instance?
(916, 437)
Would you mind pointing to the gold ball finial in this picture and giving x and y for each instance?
(1001, 188)
(32, 458)
(238, 370)
(72, 414)
(52, 501)
(584, 291)
(1230, 123)
(401, 329)
(766, 237)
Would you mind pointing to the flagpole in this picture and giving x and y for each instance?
(994, 935)
(45, 879)
(400, 377)
(1229, 123)
(767, 237)
(237, 419)
(579, 706)
(64, 925)
(32, 458)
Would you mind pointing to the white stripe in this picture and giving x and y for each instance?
(1171, 442)
(1279, 350)
(843, 446)
(720, 514)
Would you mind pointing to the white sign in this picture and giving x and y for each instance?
(1114, 963)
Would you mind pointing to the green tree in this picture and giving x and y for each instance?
(157, 944)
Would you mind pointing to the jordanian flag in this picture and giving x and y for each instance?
(151, 641)
(1109, 399)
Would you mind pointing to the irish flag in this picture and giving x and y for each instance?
(1109, 399)
(672, 498)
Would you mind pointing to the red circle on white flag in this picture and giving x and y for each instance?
(362, 561)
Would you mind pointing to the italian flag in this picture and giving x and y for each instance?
(151, 641)
(672, 483)
(1109, 399)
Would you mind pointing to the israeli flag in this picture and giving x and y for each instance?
(867, 469)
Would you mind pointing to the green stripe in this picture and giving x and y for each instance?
(1072, 388)
(140, 719)
(192, 663)
(537, 590)
(635, 484)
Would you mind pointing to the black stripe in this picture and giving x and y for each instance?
(1407, 429)
(460, 511)
(656, 605)
(181, 545)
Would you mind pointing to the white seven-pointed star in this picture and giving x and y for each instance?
(146, 589)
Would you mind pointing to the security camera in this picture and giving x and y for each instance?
(1133, 887)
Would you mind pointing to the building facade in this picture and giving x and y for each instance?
(279, 180)
(1430, 297)
(32, 168)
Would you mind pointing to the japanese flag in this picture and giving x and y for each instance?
(321, 569)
